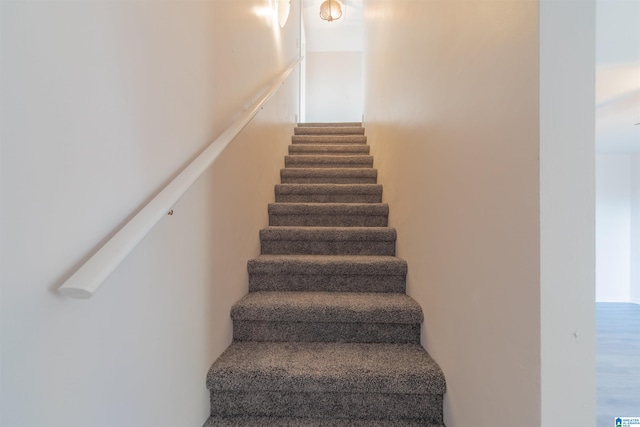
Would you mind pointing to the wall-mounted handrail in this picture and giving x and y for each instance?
(88, 278)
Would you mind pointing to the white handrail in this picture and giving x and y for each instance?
(88, 278)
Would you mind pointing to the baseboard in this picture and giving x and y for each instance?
(613, 300)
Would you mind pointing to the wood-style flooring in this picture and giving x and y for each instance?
(617, 361)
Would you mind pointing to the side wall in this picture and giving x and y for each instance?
(567, 212)
(451, 109)
(635, 229)
(613, 227)
(102, 103)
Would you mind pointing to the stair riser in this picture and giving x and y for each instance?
(315, 247)
(311, 422)
(328, 162)
(329, 140)
(338, 130)
(247, 330)
(317, 149)
(329, 220)
(328, 124)
(326, 282)
(426, 407)
(320, 165)
(328, 198)
(328, 180)
(328, 176)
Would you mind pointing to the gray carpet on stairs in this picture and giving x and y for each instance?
(327, 130)
(329, 139)
(332, 124)
(302, 149)
(327, 273)
(329, 176)
(310, 422)
(367, 405)
(328, 240)
(329, 214)
(328, 161)
(327, 317)
(328, 193)
(327, 335)
(325, 307)
(326, 367)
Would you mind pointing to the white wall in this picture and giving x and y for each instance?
(451, 109)
(500, 244)
(338, 36)
(334, 86)
(567, 212)
(634, 277)
(613, 227)
(617, 32)
(102, 103)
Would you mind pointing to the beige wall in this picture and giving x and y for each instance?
(480, 115)
(102, 103)
(452, 116)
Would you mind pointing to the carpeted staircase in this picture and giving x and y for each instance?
(327, 335)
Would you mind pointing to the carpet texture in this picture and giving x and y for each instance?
(328, 139)
(327, 335)
(309, 422)
(329, 214)
(328, 193)
(329, 149)
(329, 176)
(328, 161)
(329, 130)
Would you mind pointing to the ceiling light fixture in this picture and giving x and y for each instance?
(330, 10)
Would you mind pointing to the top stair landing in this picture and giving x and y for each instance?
(329, 130)
(326, 124)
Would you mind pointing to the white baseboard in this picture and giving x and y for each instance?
(612, 300)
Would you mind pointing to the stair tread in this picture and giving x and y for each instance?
(318, 149)
(328, 161)
(328, 307)
(328, 188)
(330, 157)
(328, 233)
(329, 208)
(328, 264)
(326, 368)
(310, 422)
(329, 124)
(329, 130)
(329, 139)
(329, 171)
(329, 175)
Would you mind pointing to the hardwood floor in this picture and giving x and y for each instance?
(617, 361)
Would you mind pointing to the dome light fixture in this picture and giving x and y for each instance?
(282, 8)
(330, 10)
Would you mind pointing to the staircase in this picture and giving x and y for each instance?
(327, 335)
